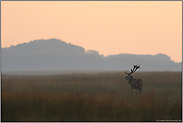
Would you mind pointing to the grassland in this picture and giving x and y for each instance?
(91, 97)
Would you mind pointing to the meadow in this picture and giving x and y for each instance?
(104, 96)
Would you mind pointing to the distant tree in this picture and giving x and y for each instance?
(93, 52)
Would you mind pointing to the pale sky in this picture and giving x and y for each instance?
(141, 27)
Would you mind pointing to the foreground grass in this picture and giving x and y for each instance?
(91, 97)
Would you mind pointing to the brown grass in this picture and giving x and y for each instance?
(91, 97)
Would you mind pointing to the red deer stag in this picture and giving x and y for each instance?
(135, 83)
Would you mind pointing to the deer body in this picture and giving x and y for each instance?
(135, 83)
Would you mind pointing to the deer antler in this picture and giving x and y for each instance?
(135, 67)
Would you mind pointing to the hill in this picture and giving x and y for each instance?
(54, 54)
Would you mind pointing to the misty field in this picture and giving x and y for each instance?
(91, 97)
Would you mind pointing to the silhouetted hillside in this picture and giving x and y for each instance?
(54, 54)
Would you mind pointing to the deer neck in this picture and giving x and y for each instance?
(130, 80)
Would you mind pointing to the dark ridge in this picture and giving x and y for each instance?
(54, 54)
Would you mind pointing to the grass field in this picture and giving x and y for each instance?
(91, 97)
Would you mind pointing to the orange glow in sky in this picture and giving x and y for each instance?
(135, 27)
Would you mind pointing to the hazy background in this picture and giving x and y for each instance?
(129, 27)
(57, 55)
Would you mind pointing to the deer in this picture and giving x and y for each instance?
(135, 83)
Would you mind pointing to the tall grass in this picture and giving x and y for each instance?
(91, 97)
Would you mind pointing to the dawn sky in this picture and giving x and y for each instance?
(141, 27)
